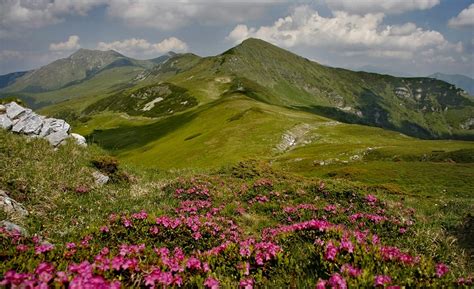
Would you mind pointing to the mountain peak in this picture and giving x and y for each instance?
(84, 52)
(257, 46)
(256, 43)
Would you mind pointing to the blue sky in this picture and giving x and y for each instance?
(414, 37)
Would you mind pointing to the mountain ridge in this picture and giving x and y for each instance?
(79, 66)
(461, 81)
(422, 107)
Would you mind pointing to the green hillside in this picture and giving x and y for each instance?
(421, 107)
(461, 81)
(84, 73)
(255, 166)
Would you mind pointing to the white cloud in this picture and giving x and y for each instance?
(71, 44)
(9, 54)
(464, 19)
(345, 32)
(167, 15)
(380, 6)
(16, 15)
(141, 48)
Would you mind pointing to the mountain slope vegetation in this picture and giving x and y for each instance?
(248, 223)
(86, 72)
(461, 81)
(421, 107)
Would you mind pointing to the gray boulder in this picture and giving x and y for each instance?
(23, 121)
(79, 139)
(14, 110)
(51, 125)
(12, 227)
(100, 178)
(5, 122)
(11, 207)
(34, 124)
(56, 138)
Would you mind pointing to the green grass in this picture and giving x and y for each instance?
(46, 182)
(210, 136)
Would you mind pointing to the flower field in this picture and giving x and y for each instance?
(226, 231)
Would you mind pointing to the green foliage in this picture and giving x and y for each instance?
(156, 100)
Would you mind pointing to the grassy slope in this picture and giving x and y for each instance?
(272, 75)
(207, 138)
(62, 214)
(104, 82)
(215, 134)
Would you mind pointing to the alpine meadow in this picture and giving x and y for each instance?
(236, 144)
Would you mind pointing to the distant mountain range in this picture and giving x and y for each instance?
(8, 79)
(461, 81)
(256, 70)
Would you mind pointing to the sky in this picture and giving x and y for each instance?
(411, 37)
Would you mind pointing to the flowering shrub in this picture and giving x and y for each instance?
(317, 239)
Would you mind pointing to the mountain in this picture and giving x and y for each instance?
(459, 80)
(86, 72)
(7, 79)
(95, 82)
(80, 65)
(422, 107)
(383, 70)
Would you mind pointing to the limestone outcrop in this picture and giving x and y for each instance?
(18, 119)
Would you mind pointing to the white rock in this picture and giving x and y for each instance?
(79, 139)
(3, 109)
(100, 178)
(5, 122)
(56, 138)
(14, 110)
(51, 125)
(11, 207)
(33, 125)
(28, 123)
(12, 227)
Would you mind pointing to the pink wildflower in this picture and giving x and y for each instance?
(351, 271)
(321, 284)
(126, 222)
(246, 284)
(371, 198)
(45, 272)
(337, 282)
(211, 283)
(381, 280)
(140, 216)
(43, 248)
(154, 230)
(331, 252)
(21, 248)
(70, 245)
(193, 263)
(441, 270)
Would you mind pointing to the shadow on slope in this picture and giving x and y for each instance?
(132, 137)
(375, 114)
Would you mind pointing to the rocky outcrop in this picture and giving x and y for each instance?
(294, 136)
(22, 120)
(13, 228)
(11, 207)
(99, 178)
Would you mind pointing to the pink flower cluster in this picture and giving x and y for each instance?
(259, 199)
(394, 254)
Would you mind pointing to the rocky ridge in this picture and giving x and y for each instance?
(18, 119)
